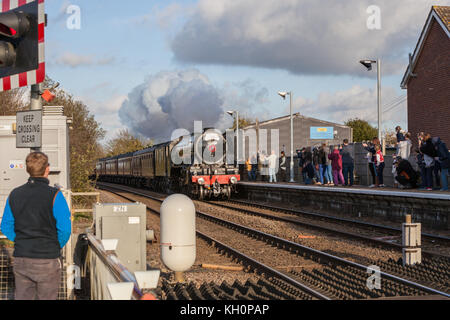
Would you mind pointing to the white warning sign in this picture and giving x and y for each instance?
(29, 129)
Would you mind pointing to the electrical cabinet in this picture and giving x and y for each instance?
(125, 222)
(55, 144)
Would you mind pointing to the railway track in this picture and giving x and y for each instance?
(329, 277)
(368, 233)
(280, 285)
(432, 237)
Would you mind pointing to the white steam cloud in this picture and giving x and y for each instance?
(171, 100)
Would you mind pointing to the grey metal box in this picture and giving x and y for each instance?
(55, 143)
(125, 222)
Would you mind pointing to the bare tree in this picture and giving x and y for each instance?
(14, 100)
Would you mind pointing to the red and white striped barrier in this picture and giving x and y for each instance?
(33, 76)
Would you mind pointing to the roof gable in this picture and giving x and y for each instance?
(440, 14)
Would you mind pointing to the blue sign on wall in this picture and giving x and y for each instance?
(322, 133)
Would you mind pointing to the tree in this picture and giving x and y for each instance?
(390, 138)
(243, 122)
(85, 136)
(14, 100)
(125, 142)
(362, 130)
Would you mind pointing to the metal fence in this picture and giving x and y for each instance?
(106, 278)
(6, 275)
(69, 271)
(72, 269)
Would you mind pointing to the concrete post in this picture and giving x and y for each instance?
(411, 241)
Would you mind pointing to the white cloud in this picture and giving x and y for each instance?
(301, 36)
(74, 60)
(355, 102)
(105, 111)
(171, 100)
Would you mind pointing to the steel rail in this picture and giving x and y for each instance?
(237, 253)
(295, 245)
(321, 254)
(397, 246)
(338, 219)
(264, 267)
(309, 225)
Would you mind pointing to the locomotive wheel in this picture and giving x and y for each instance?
(201, 193)
(228, 192)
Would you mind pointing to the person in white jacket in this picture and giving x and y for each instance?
(273, 166)
(404, 147)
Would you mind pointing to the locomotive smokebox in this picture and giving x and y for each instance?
(178, 248)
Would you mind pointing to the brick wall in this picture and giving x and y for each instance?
(429, 92)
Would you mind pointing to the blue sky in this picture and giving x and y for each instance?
(121, 44)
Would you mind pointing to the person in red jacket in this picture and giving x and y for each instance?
(336, 165)
(379, 164)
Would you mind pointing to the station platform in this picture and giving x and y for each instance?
(431, 208)
(408, 193)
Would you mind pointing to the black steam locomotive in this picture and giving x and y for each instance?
(196, 166)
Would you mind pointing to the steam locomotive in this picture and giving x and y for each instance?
(195, 166)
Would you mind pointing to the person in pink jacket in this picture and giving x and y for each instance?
(336, 165)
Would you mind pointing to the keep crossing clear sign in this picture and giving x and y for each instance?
(29, 129)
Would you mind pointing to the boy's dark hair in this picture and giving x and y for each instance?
(345, 140)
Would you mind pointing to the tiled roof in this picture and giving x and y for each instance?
(444, 14)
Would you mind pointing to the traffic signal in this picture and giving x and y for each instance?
(21, 43)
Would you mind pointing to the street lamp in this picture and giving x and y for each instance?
(231, 113)
(368, 64)
(283, 95)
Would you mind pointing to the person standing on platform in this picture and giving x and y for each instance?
(272, 163)
(443, 157)
(254, 164)
(421, 164)
(347, 162)
(429, 153)
(323, 158)
(399, 134)
(263, 165)
(316, 166)
(404, 147)
(329, 169)
(308, 166)
(371, 159)
(301, 162)
(336, 164)
(379, 165)
(249, 169)
(400, 137)
(283, 167)
(37, 219)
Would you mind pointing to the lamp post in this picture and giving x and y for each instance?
(368, 64)
(283, 95)
(231, 113)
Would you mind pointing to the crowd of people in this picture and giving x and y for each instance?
(335, 165)
(327, 165)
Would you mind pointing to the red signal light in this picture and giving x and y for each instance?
(7, 31)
